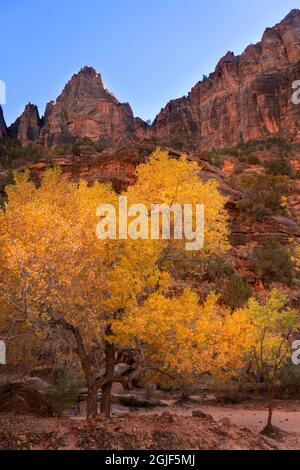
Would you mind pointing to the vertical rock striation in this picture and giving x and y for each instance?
(3, 128)
(247, 97)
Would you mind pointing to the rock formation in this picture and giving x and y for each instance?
(248, 97)
(86, 109)
(27, 127)
(3, 129)
(109, 165)
(23, 398)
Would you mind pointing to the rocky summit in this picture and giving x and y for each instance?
(85, 108)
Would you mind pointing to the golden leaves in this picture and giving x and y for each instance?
(53, 264)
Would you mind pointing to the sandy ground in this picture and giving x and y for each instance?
(286, 416)
(172, 427)
(133, 431)
(288, 421)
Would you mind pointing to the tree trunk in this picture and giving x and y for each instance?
(109, 372)
(87, 366)
(270, 413)
(270, 430)
(92, 401)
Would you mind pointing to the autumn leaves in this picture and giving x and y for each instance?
(91, 297)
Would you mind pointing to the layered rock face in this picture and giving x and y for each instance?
(3, 129)
(248, 97)
(86, 109)
(27, 127)
(110, 165)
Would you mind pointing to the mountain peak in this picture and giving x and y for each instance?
(295, 13)
(84, 82)
(228, 58)
(27, 127)
(87, 69)
(88, 73)
(3, 129)
(242, 100)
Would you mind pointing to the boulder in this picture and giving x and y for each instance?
(21, 397)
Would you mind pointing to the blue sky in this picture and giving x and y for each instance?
(147, 51)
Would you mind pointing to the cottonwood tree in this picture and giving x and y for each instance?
(56, 275)
(274, 324)
(50, 277)
(184, 339)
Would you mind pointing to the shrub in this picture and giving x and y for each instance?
(64, 394)
(231, 391)
(62, 150)
(76, 150)
(10, 150)
(289, 380)
(236, 292)
(177, 143)
(188, 266)
(268, 194)
(102, 144)
(279, 167)
(273, 262)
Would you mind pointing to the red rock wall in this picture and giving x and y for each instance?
(248, 97)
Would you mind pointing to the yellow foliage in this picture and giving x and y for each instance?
(52, 266)
(165, 180)
(183, 337)
(273, 323)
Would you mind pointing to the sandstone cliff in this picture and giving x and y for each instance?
(86, 109)
(27, 127)
(248, 97)
(3, 129)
